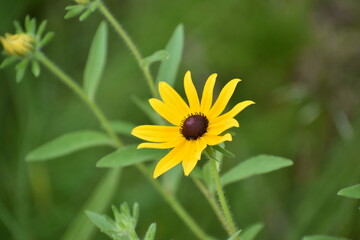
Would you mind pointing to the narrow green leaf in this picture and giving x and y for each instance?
(250, 232)
(146, 108)
(71, 7)
(96, 60)
(41, 29)
(18, 27)
(122, 127)
(27, 23)
(93, 6)
(256, 165)
(169, 68)
(35, 68)
(103, 222)
(7, 61)
(85, 15)
(130, 155)
(223, 151)
(155, 57)
(67, 144)
(48, 36)
(21, 69)
(234, 236)
(150, 233)
(81, 227)
(323, 237)
(76, 10)
(351, 192)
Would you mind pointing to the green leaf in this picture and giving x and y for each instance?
(155, 57)
(21, 69)
(7, 61)
(150, 233)
(169, 68)
(48, 36)
(67, 144)
(146, 108)
(35, 68)
(96, 60)
(323, 237)
(103, 222)
(222, 150)
(122, 127)
(250, 232)
(351, 192)
(73, 11)
(81, 227)
(233, 237)
(18, 27)
(130, 155)
(85, 15)
(256, 165)
(41, 29)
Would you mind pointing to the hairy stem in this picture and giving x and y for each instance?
(129, 43)
(221, 195)
(213, 203)
(105, 123)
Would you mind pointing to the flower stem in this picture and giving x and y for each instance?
(80, 92)
(130, 43)
(105, 123)
(175, 205)
(214, 205)
(221, 195)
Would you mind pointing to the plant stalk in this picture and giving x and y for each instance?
(221, 195)
(129, 43)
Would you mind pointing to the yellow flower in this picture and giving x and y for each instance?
(17, 44)
(195, 125)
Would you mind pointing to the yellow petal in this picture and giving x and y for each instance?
(234, 111)
(188, 165)
(170, 160)
(219, 127)
(223, 98)
(191, 93)
(173, 99)
(215, 140)
(207, 95)
(155, 133)
(165, 145)
(170, 114)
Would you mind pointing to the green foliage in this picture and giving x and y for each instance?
(254, 166)
(351, 192)
(251, 232)
(234, 236)
(82, 9)
(68, 143)
(129, 155)
(323, 237)
(169, 68)
(223, 151)
(146, 108)
(124, 223)
(99, 200)
(96, 60)
(155, 57)
(21, 69)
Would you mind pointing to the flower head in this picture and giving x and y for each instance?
(17, 44)
(195, 125)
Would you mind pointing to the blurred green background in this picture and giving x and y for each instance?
(299, 61)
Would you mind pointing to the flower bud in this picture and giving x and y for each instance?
(17, 44)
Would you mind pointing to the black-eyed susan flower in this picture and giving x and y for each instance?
(195, 125)
(17, 44)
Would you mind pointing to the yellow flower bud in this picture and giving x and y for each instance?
(17, 44)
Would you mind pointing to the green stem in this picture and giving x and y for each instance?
(79, 91)
(213, 203)
(175, 205)
(221, 195)
(104, 122)
(130, 43)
